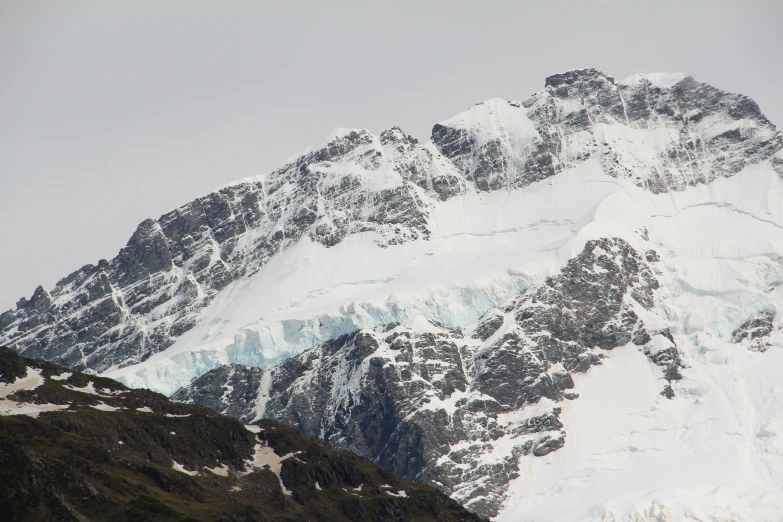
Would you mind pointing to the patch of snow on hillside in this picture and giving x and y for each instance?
(265, 457)
(32, 380)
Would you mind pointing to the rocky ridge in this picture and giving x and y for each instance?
(664, 132)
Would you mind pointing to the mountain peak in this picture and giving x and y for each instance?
(575, 76)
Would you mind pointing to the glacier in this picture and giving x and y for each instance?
(511, 240)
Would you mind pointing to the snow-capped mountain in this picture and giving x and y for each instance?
(560, 307)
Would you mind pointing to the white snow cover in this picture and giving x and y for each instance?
(32, 380)
(105, 407)
(715, 451)
(265, 456)
(89, 388)
(179, 467)
(221, 470)
(712, 453)
(486, 248)
(497, 118)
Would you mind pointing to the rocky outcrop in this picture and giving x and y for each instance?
(458, 409)
(754, 332)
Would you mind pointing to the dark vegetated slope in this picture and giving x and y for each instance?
(111, 453)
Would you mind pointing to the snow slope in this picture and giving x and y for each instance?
(713, 452)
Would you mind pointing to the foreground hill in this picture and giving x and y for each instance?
(85, 448)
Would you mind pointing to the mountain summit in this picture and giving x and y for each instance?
(577, 292)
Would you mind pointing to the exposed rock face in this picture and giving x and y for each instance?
(755, 330)
(436, 405)
(663, 132)
(78, 447)
(237, 396)
(697, 132)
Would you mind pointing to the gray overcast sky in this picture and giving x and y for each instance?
(112, 112)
